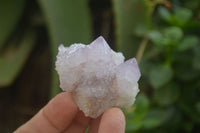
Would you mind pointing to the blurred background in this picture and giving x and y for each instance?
(162, 34)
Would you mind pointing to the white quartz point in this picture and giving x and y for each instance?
(127, 77)
(97, 76)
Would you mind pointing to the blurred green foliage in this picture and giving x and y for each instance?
(162, 34)
(129, 15)
(170, 78)
(68, 22)
(9, 8)
(13, 58)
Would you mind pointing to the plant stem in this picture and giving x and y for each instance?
(141, 49)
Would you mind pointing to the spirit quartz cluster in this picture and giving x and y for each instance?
(97, 76)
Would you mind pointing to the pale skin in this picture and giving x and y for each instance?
(61, 115)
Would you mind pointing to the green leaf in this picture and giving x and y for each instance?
(134, 119)
(10, 13)
(167, 95)
(173, 34)
(187, 43)
(160, 75)
(141, 106)
(183, 14)
(130, 14)
(13, 58)
(181, 18)
(153, 118)
(156, 37)
(157, 118)
(68, 22)
(170, 36)
(164, 13)
(132, 125)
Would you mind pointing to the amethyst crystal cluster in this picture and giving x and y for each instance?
(97, 76)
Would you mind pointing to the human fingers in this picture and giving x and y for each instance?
(94, 125)
(56, 116)
(112, 121)
(79, 123)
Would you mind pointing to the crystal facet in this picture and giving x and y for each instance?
(97, 76)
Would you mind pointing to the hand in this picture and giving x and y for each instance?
(61, 114)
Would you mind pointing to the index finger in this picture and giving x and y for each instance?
(54, 117)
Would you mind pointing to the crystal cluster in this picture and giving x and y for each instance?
(97, 76)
